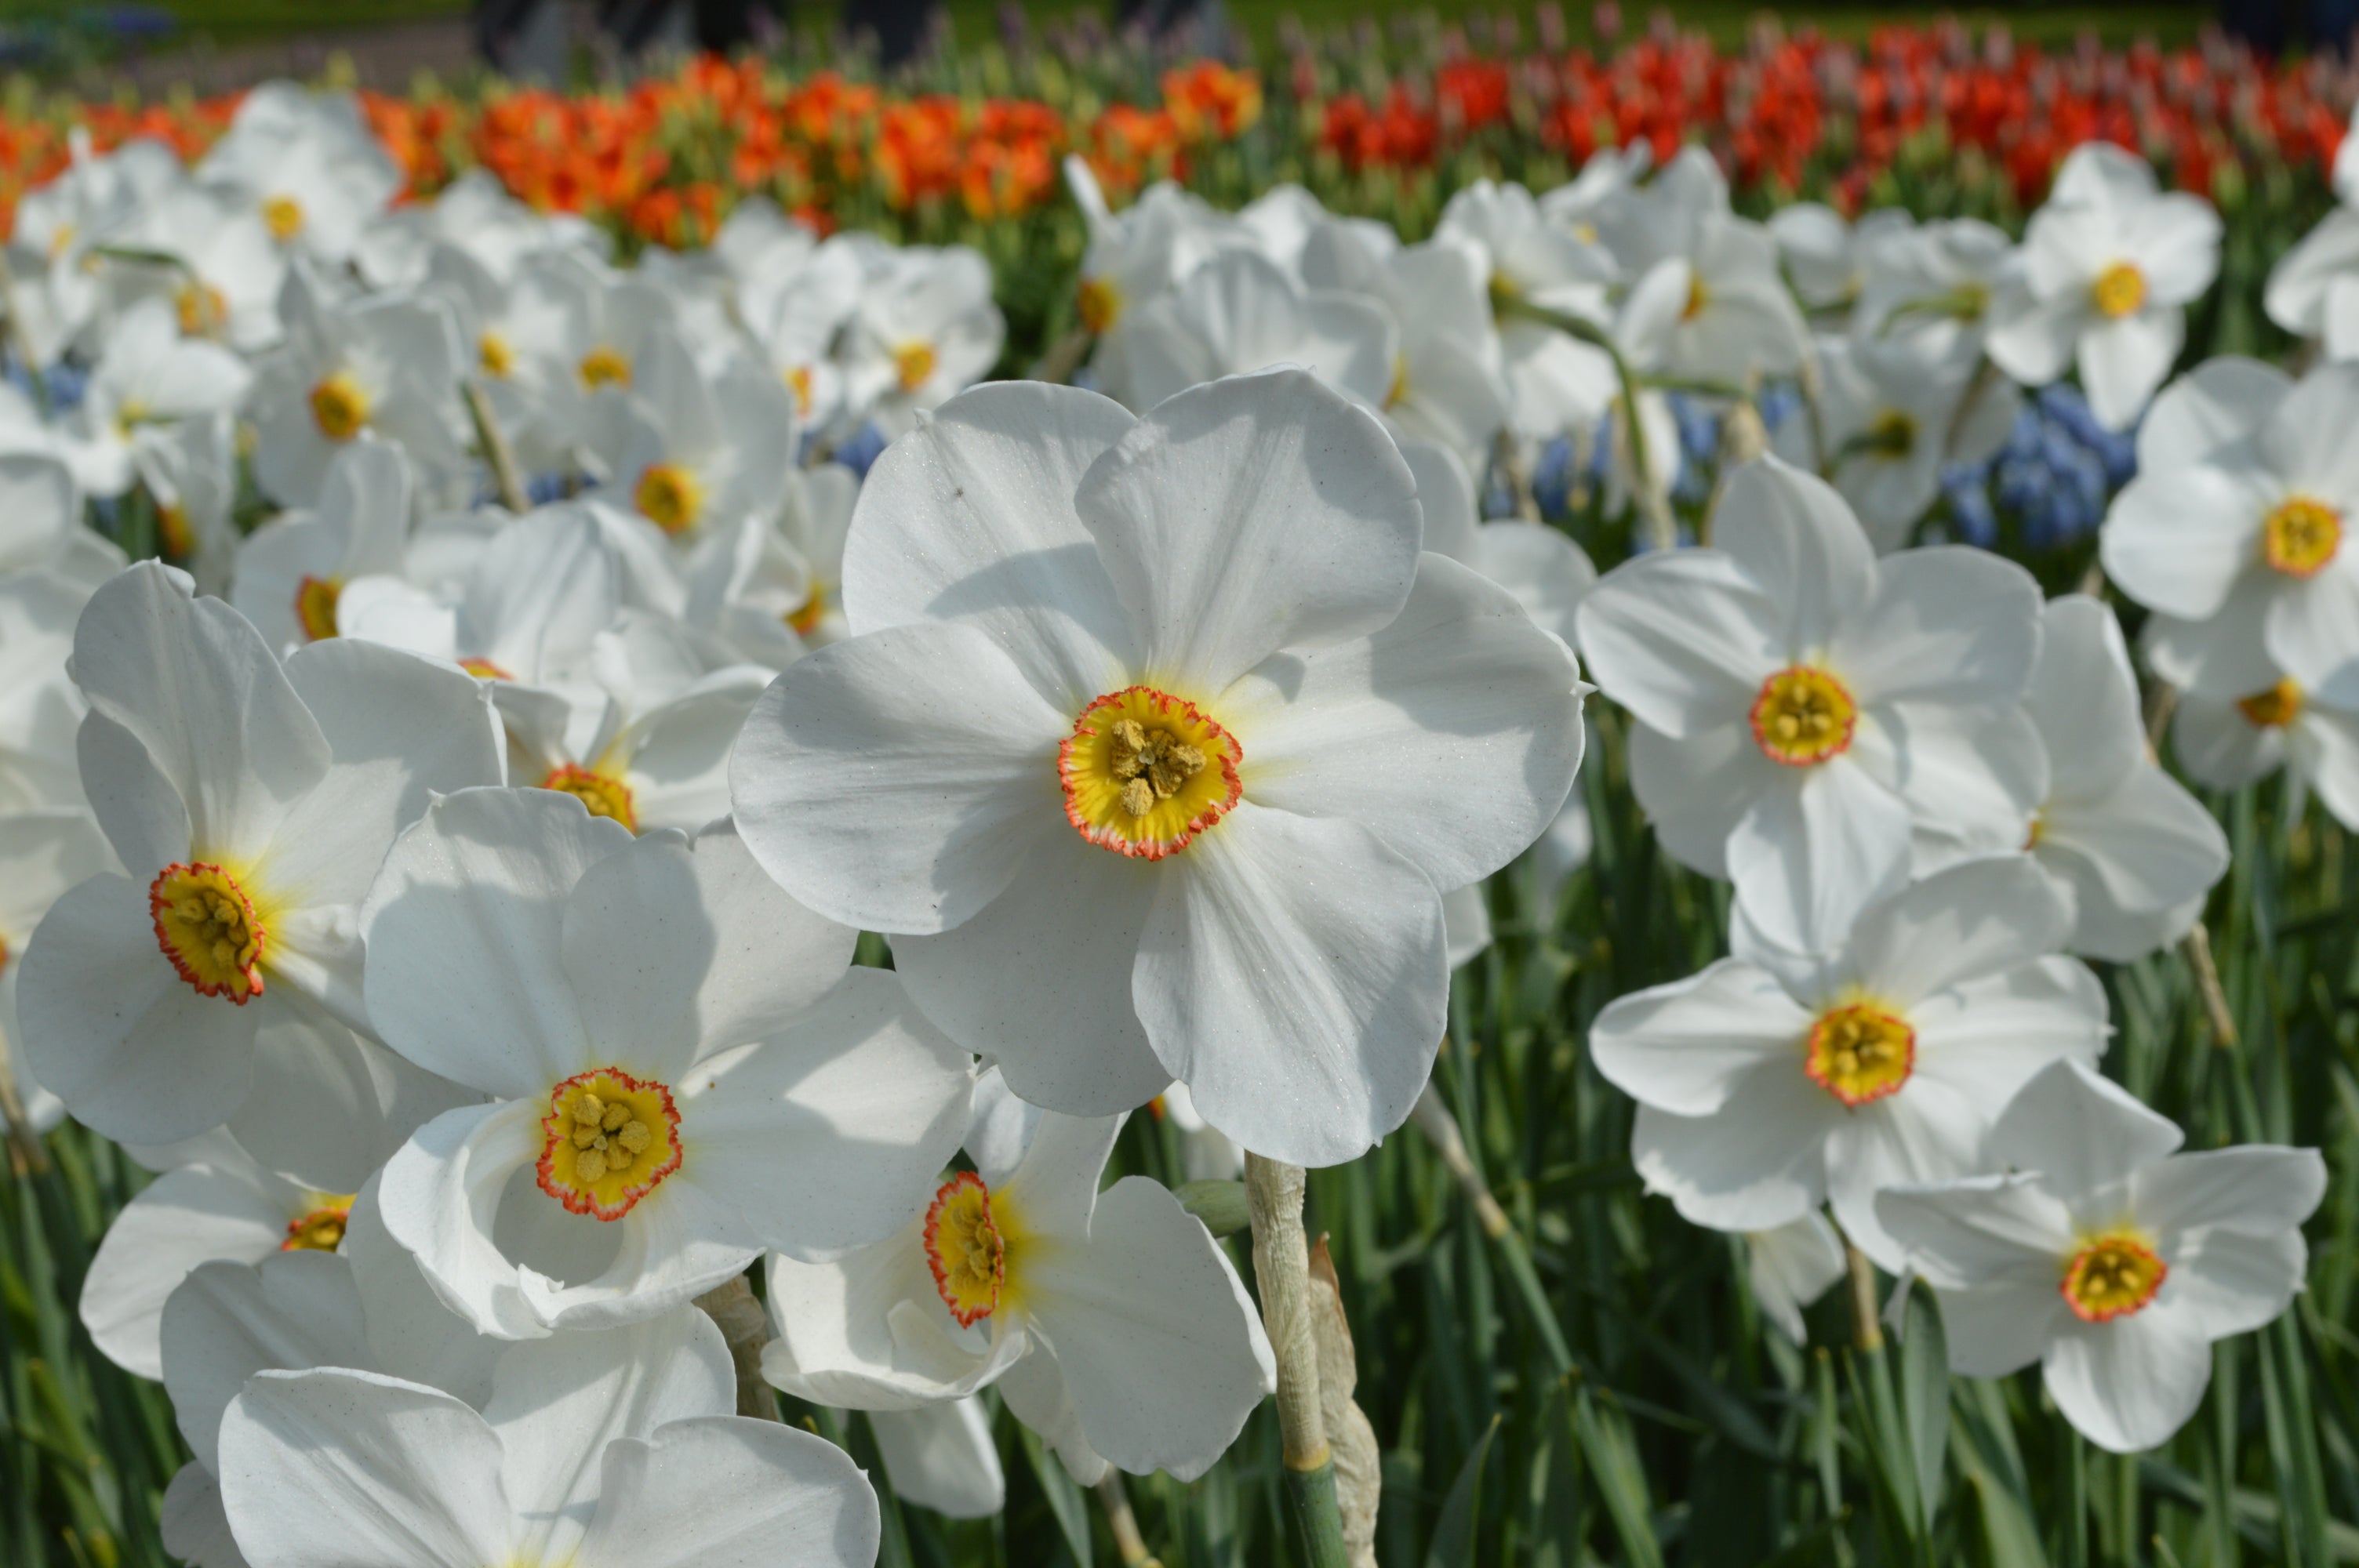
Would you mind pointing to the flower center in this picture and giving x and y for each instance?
(339, 406)
(485, 668)
(1698, 298)
(965, 1248)
(1892, 435)
(1859, 1052)
(315, 605)
(2274, 709)
(1399, 387)
(321, 1231)
(494, 355)
(605, 796)
(611, 1138)
(914, 364)
(2119, 291)
(201, 308)
(2112, 1276)
(1145, 772)
(799, 381)
(1101, 304)
(173, 530)
(805, 620)
(2300, 537)
(283, 215)
(208, 927)
(669, 497)
(1803, 716)
(604, 366)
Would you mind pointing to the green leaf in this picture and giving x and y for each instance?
(1454, 1534)
(1925, 1396)
(1065, 1498)
(2009, 1530)
(1604, 1433)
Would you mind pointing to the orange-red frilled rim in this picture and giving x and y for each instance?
(208, 927)
(1145, 772)
(1803, 716)
(2112, 1276)
(965, 1248)
(2273, 707)
(484, 669)
(1859, 1052)
(609, 1139)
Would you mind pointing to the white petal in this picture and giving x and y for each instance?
(897, 782)
(1798, 543)
(2222, 400)
(1810, 852)
(344, 1469)
(1993, 1330)
(227, 1321)
(1695, 792)
(832, 1133)
(2148, 847)
(1682, 638)
(2130, 1383)
(1927, 1133)
(2233, 1282)
(1684, 1047)
(190, 1216)
(1162, 1352)
(193, 1527)
(2313, 630)
(2221, 748)
(870, 1332)
(2080, 1131)
(1547, 573)
(2177, 540)
(1752, 1166)
(941, 1457)
(1790, 1267)
(2255, 1190)
(1989, 1036)
(2084, 699)
(193, 681)
(1253, 514)
(1982, 1231)
(1979, 919)
(1451, 734)
(464, 933)
(1949, 623)
(1295, 976)
(145, 821)
(727, 1492)
(1041, 978)
(2123, 362)
(675, 951)
(441, 1196)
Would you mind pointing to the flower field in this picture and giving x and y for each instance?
(1449, 799)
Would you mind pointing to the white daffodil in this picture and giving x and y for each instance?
(595, 1450)
(2229, 742)
(1556, 382)
(2137, 851)
(1718, 309)
(1240, 312)
(40, 710)
(385, 363)
(1805, 709)
(2108, 267)
(2105, 1255)
(1771, 1083)
(524, 336)
(147, 374)
(2314, 290)
(1829, 260)
(42, 854)
(190, 472)
(796, 299)
(690, 453)
(1445, 385)
(250, 806)
(2242, 530)
(1790, 1267)
(925, 331)
(1137, 255)
(224, 270)
(42, 540)
(1891, 423)
(307, 165)
(1204, 740)
(1112, 1322)
(475, 214)
(682, 1073)
(293, 570)
(1925, 293)
(1207, 1153)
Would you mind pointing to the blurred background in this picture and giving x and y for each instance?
(217, 45)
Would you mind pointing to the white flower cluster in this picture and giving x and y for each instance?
(457, 899)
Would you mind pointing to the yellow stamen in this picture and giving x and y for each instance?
(1859, 1052)
(604, 367)
(1145, 772)
(609, 1138)
(283, 215)
(604, 796)
(1698, 298)
(201, 308)
(315, 605)
(321, 1231)
(495, 354)
(339, 406)
(2112, 1276)
(1803, 716)
(209, 928)
(966, 1248)
(1100, 304)
(669, 497)
(1399, 387)
(914, 364)
(2119, 291)
(2301, 537)
(174, 531)
(2274, 709)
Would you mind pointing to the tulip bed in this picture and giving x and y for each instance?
(1896, 1093)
